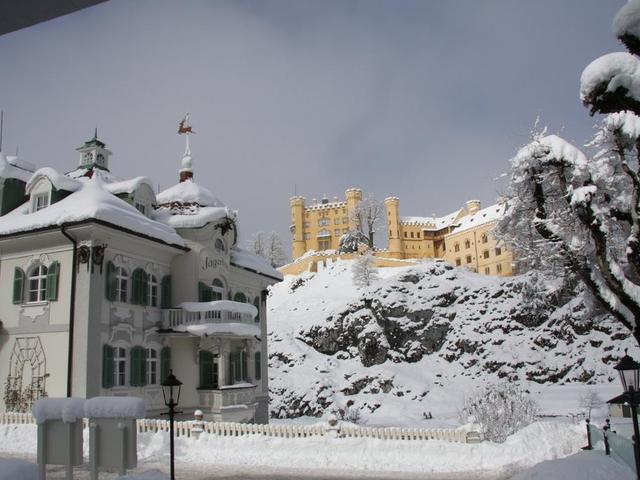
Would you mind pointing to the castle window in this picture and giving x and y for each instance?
(152, 284)
(345, 220)
(324, 244)
(390, 233)
(468, 258)
(467, 244)
(485, 254)
(405, 234)
(307, 236)
(487, 270)
(456, 247)
(336, 221)
(418, 234)
(499, 268)
(37, 284)
(217, 287)
(40, 201)
(323, 222)
(122, 284)
(152, 366)
(336, 232)
(411, 234)
(485, 239)
(458, 262)
(498, 250)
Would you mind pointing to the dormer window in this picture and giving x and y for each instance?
(40, 201)
(141, 207)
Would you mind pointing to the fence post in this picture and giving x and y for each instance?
(589, 446)
(606, 429)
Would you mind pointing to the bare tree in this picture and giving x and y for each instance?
(269, 246)
(585, 207)
(366, 217)
(590, 400)
(501, 410)
(364, 270)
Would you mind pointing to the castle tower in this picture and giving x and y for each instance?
(473, 206)
(392, 205)
(354, 197)
(299, 245)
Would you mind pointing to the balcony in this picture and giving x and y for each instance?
(229, 403)
(210, 318)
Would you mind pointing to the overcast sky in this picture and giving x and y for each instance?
(424, 100)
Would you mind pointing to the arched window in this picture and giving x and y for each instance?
(122, 284)
(218, 289)
(467, 244)
(219, 245)
(456, 247)
(240, 297)
(37, 284)
(485, 239)
(152, 295)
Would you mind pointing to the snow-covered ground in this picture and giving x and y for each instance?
(423, 338)
(340, 456)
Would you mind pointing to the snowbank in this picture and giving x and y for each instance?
(115, 407)
(594, 465)
(65, 409)
(238, 329)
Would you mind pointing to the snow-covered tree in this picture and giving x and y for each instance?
(589, 401)
(364, 270)
(501, 410)
(581, 209)
(348, 243)
(270, 247)
(367, 216)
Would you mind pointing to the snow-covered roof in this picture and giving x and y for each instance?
(188, 192)
(432, 223)
(220, 305)
(104, 175)
(57, 179)
(245, 259)
(238, 329)
(486, 215)
(192, 216)
(91, 200)
(128, 186)
(13, 167)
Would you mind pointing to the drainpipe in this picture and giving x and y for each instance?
(72, 308)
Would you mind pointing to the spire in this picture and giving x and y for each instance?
(186, 172)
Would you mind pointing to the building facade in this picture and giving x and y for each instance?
(463, 237)
(109, 287)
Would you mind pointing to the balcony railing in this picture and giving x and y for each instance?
(199, 313)
(227, 396)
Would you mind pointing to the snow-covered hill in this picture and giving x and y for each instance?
(422, 338)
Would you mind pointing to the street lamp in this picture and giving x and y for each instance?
(629, 371)
(171, 393)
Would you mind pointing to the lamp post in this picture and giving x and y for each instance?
(171, 393)
(629, 371)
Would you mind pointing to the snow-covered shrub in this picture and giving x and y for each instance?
(501, 410)
(349, 414)
(590, 400)
(364, 271)
(349, 243)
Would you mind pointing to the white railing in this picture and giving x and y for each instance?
(226, 396)
(184, 429)
(176, 317)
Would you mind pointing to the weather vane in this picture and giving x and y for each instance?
(184, 127)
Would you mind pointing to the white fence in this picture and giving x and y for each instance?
(184, 428)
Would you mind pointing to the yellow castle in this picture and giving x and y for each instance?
(462, 238)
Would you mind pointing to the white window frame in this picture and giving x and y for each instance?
(119, 366)
(37, 205)
(152, 292)
(37, 274)
(151, 355)
(122, 285)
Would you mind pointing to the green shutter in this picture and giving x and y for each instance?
(137, 369)
(139, 279)
(256, 365)
(107, 366)
(165, 363)
(110, 283)
(206, 369)
(52, 281)
(165, 292)
(205, 294)
(18, 285)
(243, 366)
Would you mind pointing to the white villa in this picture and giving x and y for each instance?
(106, 287)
